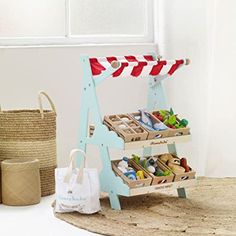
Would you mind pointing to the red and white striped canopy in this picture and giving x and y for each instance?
(136, 66)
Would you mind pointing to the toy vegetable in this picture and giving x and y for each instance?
(170, 119)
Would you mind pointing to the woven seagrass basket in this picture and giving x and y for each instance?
(31, 134)
(0, 182)
(20, 182)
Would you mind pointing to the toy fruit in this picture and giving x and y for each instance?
(159, 116)
(140, 174)
(169, 118)
(183, 163)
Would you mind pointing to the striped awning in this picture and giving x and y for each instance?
(136, 66)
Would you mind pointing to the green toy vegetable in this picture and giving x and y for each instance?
(184, 122)
(171, 112)
(144, 164)
(136, 158)
(167, 173)
(163, 113)
(172, 120)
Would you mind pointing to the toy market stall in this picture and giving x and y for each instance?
(147, 128)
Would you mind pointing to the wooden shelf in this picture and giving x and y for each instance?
(156, 142)
(161, 187)
(148, 142)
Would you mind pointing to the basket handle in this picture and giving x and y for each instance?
(72, 166)
(40, 94)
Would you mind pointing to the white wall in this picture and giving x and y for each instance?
(205, 32)
(204, 93)
(57, 70)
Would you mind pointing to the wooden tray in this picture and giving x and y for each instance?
(132, 183)
(158, 179)
(152, 134)
(126, 127)
(181, 177)
(172, 132)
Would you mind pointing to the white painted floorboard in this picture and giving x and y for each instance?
(36, 220)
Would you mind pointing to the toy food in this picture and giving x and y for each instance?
(170, 119)
(151, 169)
(147, 121)
(128, 131)
(131, 174)
(140, 174)
(145, 118)
(123, 166)
(136, 158)
(151, 165)
(165, 157)
(125, 119)
(159, 126)
(183, 162)
(128, 171)
(176, 164)
(122, 126)
(174, 160)
(176, 168)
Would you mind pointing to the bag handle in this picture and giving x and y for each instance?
(72, 166)
(40, 94)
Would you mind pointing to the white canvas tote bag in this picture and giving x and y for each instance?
(77, 189)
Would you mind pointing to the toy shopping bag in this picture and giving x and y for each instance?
(77, 189)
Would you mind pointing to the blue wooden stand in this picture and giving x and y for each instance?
(106, 139)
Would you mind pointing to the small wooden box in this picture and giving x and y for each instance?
(129, 129)
(158, 179)
(172, 132)
(132, 183)
(181, 177)
(152, 134)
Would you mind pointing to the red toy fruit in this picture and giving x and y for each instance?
(183, 163)
(160, 117)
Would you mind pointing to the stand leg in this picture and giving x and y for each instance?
(114, 201)
(181, 192)
(172, 148)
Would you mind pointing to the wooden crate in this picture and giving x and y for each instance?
(132, 183)
(126, 127)
(173, 132)
(181, 177)
(152, 134)
(158, 179)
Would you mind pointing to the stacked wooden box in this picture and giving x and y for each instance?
(151, 179)
(130, 129)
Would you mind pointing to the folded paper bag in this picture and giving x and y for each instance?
(77, 189)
